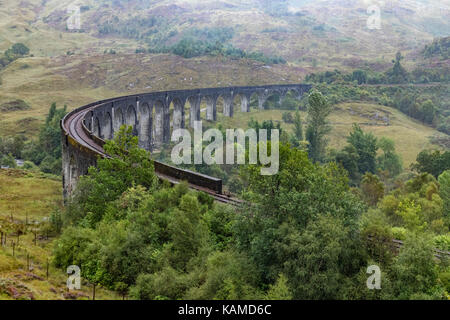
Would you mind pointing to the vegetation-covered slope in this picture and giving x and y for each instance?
(27, 200)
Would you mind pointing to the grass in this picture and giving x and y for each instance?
(410, 136)
(31, 197)
(25, 193)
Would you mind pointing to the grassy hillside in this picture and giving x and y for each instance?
(70, 66)
(31, 197)
(304, 32)
(311, 34)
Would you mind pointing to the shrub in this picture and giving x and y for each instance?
(287, 117)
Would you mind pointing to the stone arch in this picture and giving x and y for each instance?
(73, 173)
(131, 118)
(159, 124)
(178, 114)
(203, 106)
(145, 125)
(243, 100)
(194, 109)
(292, 93)
(211, 107)
(107, 126)
(152, 126)
(228, 107)
(118, 119)
(88, 120)
(273, 99)
(220, 104)
(262, 97)
(97, 130)
(253, 100)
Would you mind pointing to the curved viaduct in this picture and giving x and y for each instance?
(153, 116)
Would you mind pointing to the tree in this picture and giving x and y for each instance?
(433, 162)
(164, 285)
(360, 76)
(348, 158)
(16, 51)
(229, 276)
(20, 49)
(8, 161)
(188, 231)
(265, 125)
(287, 117)
(397, 74)
(299, 193)
(414, 272)
(389, 160)
(298, 126)
(280, 290)
(320, 260)
(318, 111)
(366, 148)
(128, 165)
(428, 111)
(372, 188)
(47, 151)
(444, 190)
(71, 246)
(410, 212)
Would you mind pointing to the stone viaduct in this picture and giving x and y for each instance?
(153, 117)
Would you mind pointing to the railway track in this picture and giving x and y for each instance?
(396, 245)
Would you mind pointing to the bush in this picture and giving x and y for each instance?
(20, 49)
(442, 242)
(399, 233)
(28, 165)
(287, 117)
(51, 165)
(8, 161)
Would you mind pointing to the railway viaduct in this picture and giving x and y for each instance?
(153, 117)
